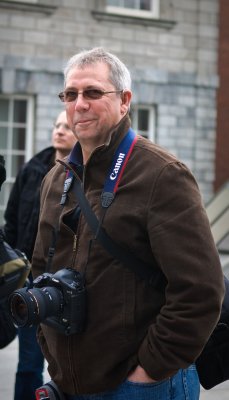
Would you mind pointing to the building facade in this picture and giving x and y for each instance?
(170, 47)
(222, 131)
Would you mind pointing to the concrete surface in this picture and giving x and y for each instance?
(8, 365)
(8, 362)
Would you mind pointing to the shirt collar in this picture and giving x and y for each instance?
(76, 157)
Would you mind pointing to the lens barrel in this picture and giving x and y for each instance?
(31, 306)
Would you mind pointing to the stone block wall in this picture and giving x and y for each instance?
(173, 62)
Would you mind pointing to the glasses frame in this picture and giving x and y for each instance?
(83, 92)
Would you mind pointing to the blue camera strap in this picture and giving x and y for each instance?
(118, 165)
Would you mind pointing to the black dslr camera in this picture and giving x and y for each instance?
(57, 300)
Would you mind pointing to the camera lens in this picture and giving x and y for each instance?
(31, 306)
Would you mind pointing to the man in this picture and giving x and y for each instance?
(20, 229)
(140, 341)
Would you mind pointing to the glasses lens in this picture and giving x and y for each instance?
(88, 94)
(93, 94)
(70, 96)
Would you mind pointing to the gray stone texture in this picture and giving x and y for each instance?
(173, 66)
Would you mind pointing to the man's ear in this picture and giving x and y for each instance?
(125, 101)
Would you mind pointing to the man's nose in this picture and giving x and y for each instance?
(81, 102)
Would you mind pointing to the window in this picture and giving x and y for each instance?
(143, 121)
(137, 8)
(15, 139)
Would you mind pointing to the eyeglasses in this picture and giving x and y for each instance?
(88, 94)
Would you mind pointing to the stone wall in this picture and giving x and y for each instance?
(173, 62)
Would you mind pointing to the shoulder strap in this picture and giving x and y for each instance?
(151, 273)
(118, 165)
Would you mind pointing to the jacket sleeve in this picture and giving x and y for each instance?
(48, 200)
(12, 209)
(183, 245)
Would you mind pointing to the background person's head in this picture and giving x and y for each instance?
(63, 139)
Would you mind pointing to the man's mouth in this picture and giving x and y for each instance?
(83, 121)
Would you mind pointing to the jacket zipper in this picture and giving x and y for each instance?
(72, 372)
(74, 249)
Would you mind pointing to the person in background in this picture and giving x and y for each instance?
(2, 171)
(20, 229)
(140, 341)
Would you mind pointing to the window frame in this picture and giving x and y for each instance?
(7, 153)
(124, 11)
(152, 120)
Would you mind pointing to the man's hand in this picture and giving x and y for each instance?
(140, 375)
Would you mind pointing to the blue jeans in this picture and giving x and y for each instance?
(182, 386)
(30, 367)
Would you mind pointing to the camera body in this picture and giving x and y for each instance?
(57, 300)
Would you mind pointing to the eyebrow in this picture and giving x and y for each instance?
(85, 88)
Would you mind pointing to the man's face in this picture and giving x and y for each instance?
(63, 138)
(90, 119)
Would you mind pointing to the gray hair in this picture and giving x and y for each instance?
(119, 74)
